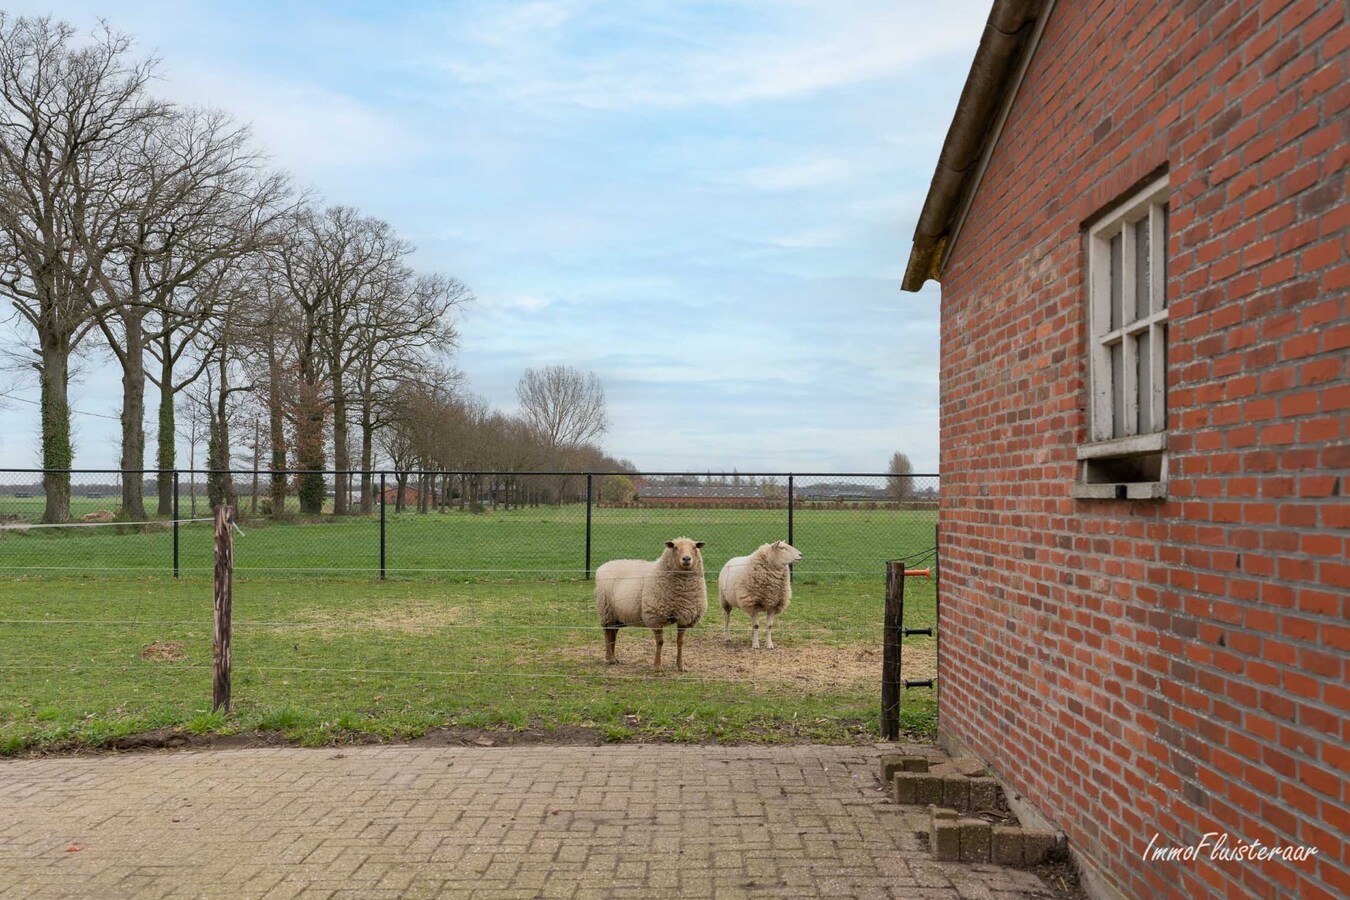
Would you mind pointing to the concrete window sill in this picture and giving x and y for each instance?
(1140, 490)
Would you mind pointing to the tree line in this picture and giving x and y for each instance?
(160, 234)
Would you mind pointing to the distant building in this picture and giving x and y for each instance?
(410, 496)
(704, 494)
(839, 491)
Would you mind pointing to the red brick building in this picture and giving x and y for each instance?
(1139, 224)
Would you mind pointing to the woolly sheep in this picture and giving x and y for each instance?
(668, 591)
(760, 582)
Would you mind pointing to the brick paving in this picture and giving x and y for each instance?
(370, 822)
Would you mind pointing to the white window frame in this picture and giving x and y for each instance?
(1105, 440)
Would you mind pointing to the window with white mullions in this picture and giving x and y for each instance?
(1127, 347)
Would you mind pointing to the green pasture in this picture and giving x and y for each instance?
(547, 542)
(86, 660)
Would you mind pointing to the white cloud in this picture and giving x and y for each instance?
(808, 240)
(795, 49)
(307, 129)
(524, 302)
(791, 176)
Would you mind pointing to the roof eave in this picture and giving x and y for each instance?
(995, 72)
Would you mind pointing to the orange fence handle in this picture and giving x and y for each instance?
(918, 573)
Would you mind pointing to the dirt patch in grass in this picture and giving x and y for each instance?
(413, 616)
(163, 651)
(809, 666)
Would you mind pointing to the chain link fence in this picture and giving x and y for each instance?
(538, 525)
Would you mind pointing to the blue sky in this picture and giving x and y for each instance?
(709, 204)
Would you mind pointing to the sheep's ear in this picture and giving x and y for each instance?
(698, 544)
(670, 544)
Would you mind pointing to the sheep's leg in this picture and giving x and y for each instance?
(660, 639)
(768, 629)
(726, 624)
(754, 630)
(611, 636)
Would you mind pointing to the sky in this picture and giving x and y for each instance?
(708, 204)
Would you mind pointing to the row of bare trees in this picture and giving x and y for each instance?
(435, 428)
(159, 235)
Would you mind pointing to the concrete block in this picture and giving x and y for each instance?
(904, 786)
(946, 840)
(890, 764)
(984, 793)
(1006, 845)
(938, 814)
(1038, 845)
(901, 762)
(963, 765)
(968, 766)
(956, 792)
(928, 789)
(975, 840)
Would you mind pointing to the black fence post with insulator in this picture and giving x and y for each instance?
(382, 543)
(589, 494)
(890, 657)
(175, 523)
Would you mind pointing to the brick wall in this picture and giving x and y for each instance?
(1177, 667)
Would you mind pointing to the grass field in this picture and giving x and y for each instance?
(505, 639)
(84, 661)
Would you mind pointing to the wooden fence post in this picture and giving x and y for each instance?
(224, 597)
(892, 635)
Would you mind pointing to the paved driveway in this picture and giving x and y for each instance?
(620, 821)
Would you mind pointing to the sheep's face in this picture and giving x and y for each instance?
(685, 553)
(786, 554)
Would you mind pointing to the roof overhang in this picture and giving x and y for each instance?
(1009, 38)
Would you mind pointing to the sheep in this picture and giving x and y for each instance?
(670, 590)
(760, 582)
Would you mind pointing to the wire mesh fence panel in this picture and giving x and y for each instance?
(732, 514)
(487, 525)
(472, 524)
(93, 533)
(849, 526)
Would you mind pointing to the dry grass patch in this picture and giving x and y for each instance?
(163, 651)
(412, 616)
(809, 666)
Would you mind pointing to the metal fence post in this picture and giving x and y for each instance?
(937, 612)
(175, 523)
(890, 654)
(382, 545)
(589, 492)
(792, 501)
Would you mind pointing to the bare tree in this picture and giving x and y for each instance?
(565, 406)
(300, 266)
(900, 486)
(400, 334)
(66, 110)
(196, 201)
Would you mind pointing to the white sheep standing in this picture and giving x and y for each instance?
(760, 582)
(668, 591)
